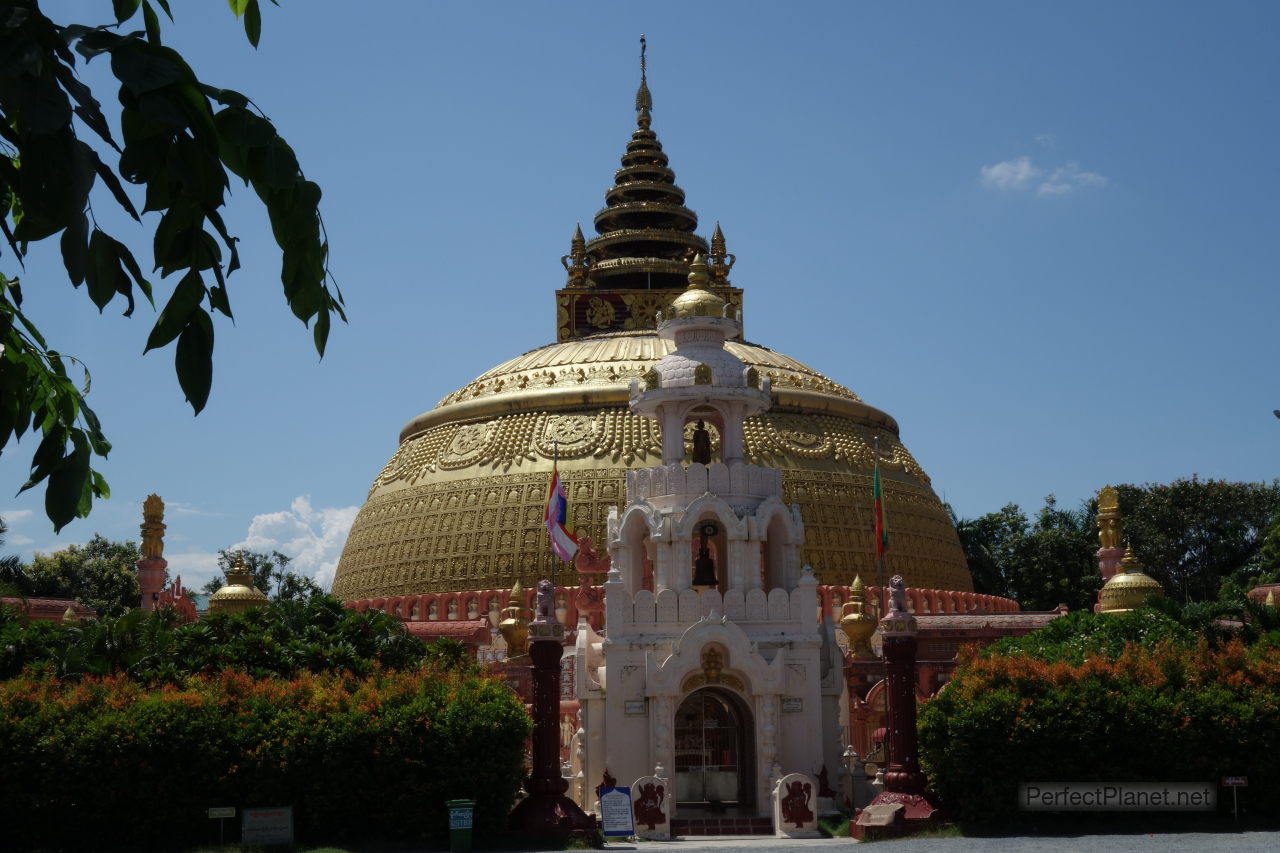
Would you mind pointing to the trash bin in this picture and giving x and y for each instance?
(460, 812)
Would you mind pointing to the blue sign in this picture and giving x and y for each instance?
(615, 812)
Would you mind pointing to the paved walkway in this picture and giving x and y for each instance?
(1186, 842)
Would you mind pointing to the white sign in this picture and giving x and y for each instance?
(615, 812)
(222, 811)
(267, 826)
(1235, 781)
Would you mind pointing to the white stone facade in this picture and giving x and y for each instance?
(720, 689)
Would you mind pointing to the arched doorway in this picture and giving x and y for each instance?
(714, 762)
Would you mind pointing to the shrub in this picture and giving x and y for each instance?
(368, 757)
(1158, 710)
(280, 640)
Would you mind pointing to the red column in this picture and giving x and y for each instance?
(547, 811)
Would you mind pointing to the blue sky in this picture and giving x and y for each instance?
(1043, 236)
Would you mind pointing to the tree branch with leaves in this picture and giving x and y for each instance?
(179, 140)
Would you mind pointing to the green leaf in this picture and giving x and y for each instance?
(194, 360)
(275, 167)
(153, 23)
(253, 22)
(242, 127)
(237, 6)
(69, 492)
(75, 249)
(101, 274)
(185, 300)
(125, 9)
(141, 70)
(226, 97)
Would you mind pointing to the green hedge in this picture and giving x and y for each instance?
(280, 640)
(1056, 709)
(371, 757)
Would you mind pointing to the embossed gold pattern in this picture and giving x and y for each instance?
(429, 526)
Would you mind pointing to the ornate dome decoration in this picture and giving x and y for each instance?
(459, 505)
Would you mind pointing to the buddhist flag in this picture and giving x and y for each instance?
(562, 541)
(882, 530)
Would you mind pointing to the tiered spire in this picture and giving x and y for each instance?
(646, 232)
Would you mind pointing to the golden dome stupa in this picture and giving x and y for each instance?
(1128, 588)
(239, 594)
(460, 504)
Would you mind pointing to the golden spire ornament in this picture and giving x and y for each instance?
(644, 100)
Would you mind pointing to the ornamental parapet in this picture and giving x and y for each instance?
(645, 612)
(657, 265)
(646, 235)
(621, 191)
(738, 483)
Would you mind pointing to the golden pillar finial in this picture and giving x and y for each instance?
(721, 261)
(152, 527)
(514, 626)
(1109, 522)
(857, 624)
(576, 263)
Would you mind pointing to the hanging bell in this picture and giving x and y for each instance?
(704, 570)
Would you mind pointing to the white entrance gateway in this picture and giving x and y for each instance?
(714, 672)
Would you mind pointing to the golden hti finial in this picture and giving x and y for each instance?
(721, 261)
(644, 100)
(152, 527)
(1270, 600)
(514, 626)
(1109, 522)
(857, 624)
(576, 263)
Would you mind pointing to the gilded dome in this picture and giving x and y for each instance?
(460, 504)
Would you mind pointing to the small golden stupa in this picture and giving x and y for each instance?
(857, 624)
(239, 594)
(1128, 587)
(514, 626)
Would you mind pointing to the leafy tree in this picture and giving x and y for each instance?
(271, 574)
(100, 574)
(1193, 534)
(178, 139)
(13, 575)
(1040, 563)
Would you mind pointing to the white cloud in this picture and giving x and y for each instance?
(1010, 175)
(1066, 178)
(1045, 139)
(14, 519)
(1022, 174)
(312, 537)
(179, 508)
(195, 567)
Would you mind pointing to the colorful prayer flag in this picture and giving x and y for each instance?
(557, 515)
